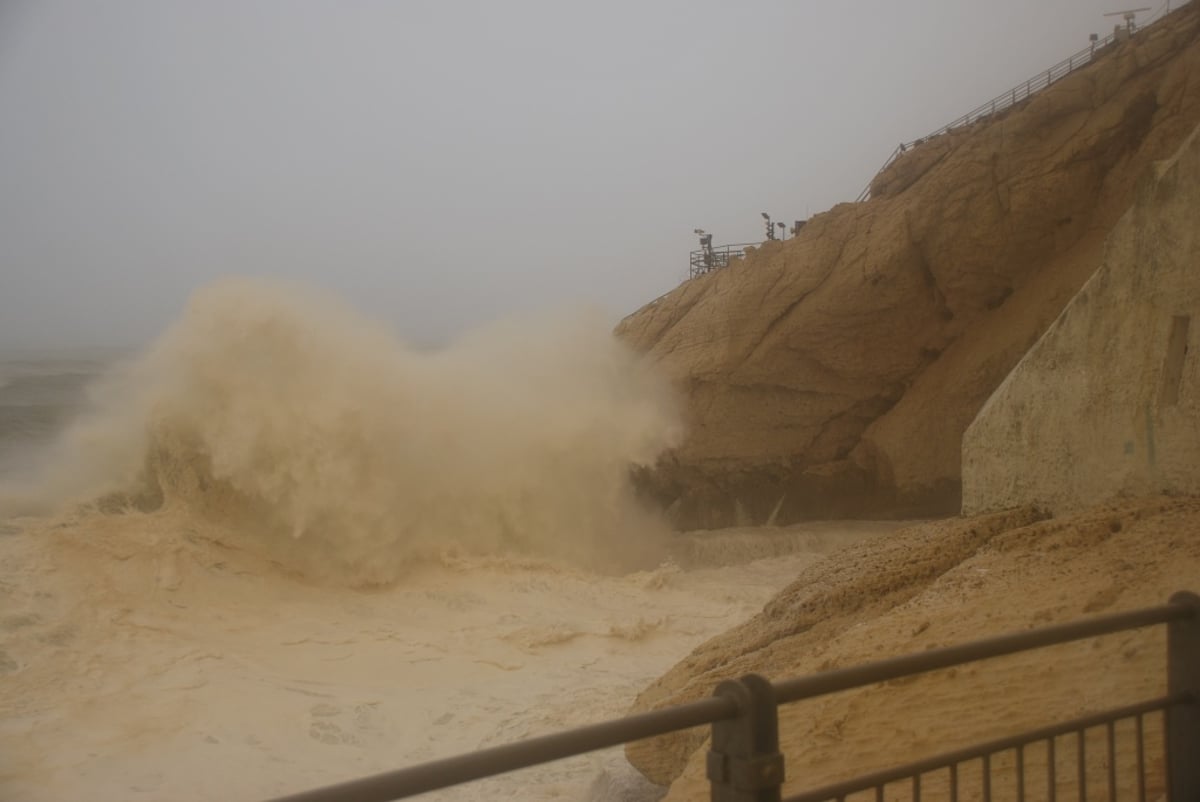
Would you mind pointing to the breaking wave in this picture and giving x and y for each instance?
(298, 430)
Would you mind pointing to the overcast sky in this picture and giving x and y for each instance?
(446, 163)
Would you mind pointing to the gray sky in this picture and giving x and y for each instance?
(445, 163)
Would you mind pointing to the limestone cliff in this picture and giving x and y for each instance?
(835, 373)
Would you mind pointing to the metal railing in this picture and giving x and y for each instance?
(744, 762)
(706, 260)
(1015, 95)
(1005, 100)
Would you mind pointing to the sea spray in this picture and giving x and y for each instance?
(301, 431)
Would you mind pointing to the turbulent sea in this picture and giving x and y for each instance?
(40, 392)
(279, 549)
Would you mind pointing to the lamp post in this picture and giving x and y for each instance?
(706, 248)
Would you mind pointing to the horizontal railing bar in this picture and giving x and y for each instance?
(794, 690)
(732, 245)
(946, 759)
(522, 754)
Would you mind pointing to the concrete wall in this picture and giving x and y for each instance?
(1107, 403)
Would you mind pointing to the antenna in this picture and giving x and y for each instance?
(1128, 14)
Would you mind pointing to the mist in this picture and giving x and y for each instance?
(446, 164)
(290, 426)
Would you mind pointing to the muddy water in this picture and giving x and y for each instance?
(145, 662)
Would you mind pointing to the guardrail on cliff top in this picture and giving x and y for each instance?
(1021, 91)
(708, 259)
(744, 763)
(1001, 102)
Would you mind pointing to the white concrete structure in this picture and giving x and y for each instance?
(1107, 403)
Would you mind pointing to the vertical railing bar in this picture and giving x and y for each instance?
(1112, 761)
(1166, 732)
(916, 787)
(1051, 770)
(879, 793)
(1021, 773)
(987, 778)
(1081, 760)
(953, 782)
(1182, 722)
(1141, 757)
(744, 762)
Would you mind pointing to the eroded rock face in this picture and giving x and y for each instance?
(858, 583)
(937, 585)
(834, 374)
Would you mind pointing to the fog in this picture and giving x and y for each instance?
(441, 165)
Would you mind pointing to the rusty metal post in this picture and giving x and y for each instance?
(744, 762)
(1183, 721)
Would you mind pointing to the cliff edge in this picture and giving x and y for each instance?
(834, 374)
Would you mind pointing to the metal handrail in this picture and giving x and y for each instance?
(878, 778)
(704, 261)
(794, 690)
(1013, 96)
(1004, 100)
(742, 703)
(522, 754)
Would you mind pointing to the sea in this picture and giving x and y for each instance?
(41, 391)
(278, 548)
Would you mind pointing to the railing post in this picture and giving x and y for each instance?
(1183, 721)
(744, 763)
